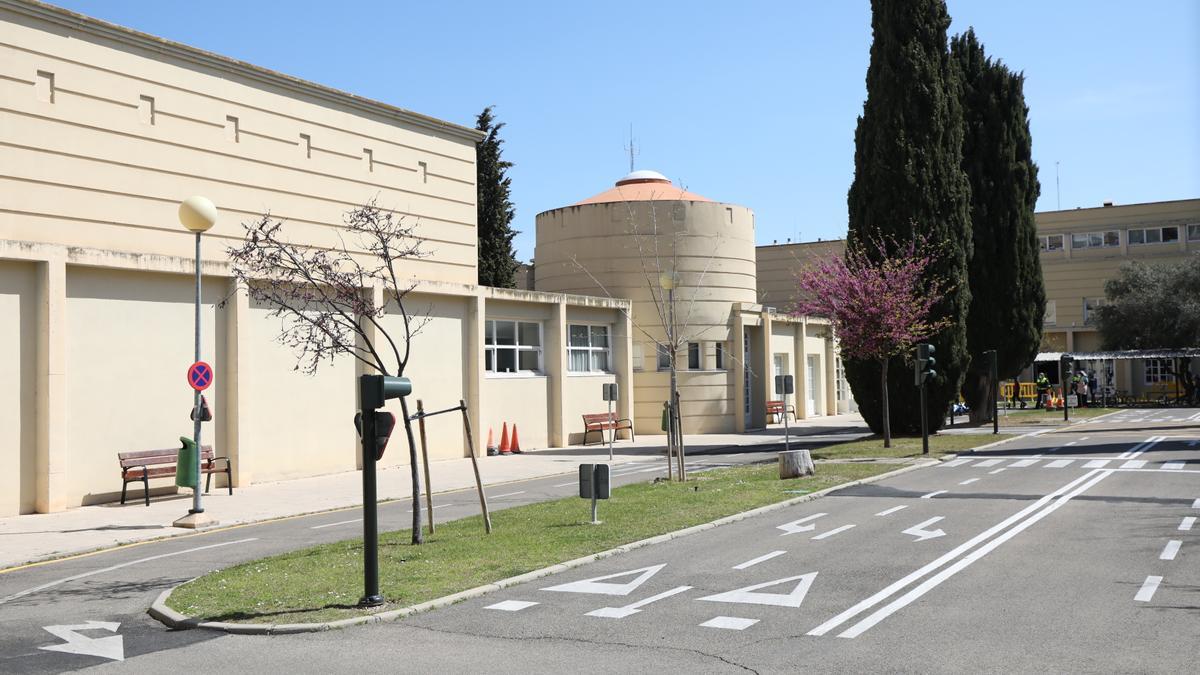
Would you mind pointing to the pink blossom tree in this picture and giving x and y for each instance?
(879, 299)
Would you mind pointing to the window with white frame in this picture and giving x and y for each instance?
(1154, 235)
(638, 356)
(1090, 305)
(1157, 370)
(719, 355)
(1193, 232)
(1051, 242)
(587, 348)
(693, 356)
(512, 346)
(664, 357)
(1106, 239)
(1051, 316)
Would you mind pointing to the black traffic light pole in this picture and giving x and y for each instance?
(924, 422)
(922, 371)
(1062, 361)
(373, 391)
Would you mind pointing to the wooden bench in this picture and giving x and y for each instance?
(601, 422)
(777, 409)
(147, 464)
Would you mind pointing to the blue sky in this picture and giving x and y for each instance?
(748, 102)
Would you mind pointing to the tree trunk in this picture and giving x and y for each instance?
(887, 418)
(795, 463)
(418, 537)
(980, 396)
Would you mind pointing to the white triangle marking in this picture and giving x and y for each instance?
(748, 595)
(596, 585)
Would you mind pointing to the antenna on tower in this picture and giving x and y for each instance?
(631, 148)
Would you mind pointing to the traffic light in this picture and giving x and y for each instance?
(923, 366)
(375, 389)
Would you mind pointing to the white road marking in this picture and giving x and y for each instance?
(507, 494)
(988, 462)
(1173, 466)
(634, 608)
(139, 561)
(796, 526)
(968, 481)
(597, 584)
(1096, 464)
(1024, 463)
(898, 585)
(436, 506)
(923, 588)
(1072, 443)
(1170, 550)
(922, 534)
(340, 522)
(566, 484)
(894, 509)
(826, 535)
(111, 647)
(1059, 463)
(761, 558)
(957, 462)
(933, 494)
(1195, 505)
(749, 596)
(1186, 523)
(1134, 464)
(511, 605)
(729, 622)
(1146, 592)
(996, 471)
(1140, 448)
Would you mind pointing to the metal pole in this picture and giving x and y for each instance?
(614, 431)
(595, 521)
(787, 446)
(371, 596)
(924, 421)
(196, 506)
(995, 392)
(672, 412)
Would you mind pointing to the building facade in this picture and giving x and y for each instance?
(103, 131)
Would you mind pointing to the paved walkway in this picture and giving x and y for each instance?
(35, 537)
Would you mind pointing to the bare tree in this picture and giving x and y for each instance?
(325, 300)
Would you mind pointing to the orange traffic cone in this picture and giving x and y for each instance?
(504, 448)
(491, 444)
(516, 445)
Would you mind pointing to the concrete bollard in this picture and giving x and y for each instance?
(795, 463)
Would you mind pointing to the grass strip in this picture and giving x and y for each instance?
(904, 446)
(322, 583)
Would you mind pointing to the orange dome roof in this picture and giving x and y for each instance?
(643, 186)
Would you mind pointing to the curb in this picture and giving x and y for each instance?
(172, 619)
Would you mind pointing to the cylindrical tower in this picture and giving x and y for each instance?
(630, 242)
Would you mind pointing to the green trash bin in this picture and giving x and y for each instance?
(185, 469)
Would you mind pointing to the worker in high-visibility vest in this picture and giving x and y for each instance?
(1043, 388)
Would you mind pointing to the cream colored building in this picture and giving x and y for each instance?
(103, 131)
(1083, 248)
(625, 240)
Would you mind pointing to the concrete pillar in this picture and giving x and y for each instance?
(623, 364)
(554, 353)
(737, 361)
(1070, 341)
(51, 387)
(238, 403)
(830, 376)
(766, 369)
(474, 370)
(802, 410)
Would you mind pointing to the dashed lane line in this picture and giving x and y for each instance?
(1170, 550)
(1187, 523)
(761, 558)
(340, 522)
(836, 530)
(933, 494)
(1149, 586)
(894, 509)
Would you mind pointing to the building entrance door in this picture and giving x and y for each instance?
(810, 387)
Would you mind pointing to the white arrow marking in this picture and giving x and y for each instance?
(596, 585)
(748, 596)
(635, 607)
(111, 647)
(795, 526)
(922, 534)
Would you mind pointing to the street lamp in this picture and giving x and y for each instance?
(197, 214)
(667, 280)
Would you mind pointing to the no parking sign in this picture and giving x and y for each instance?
(200, 376)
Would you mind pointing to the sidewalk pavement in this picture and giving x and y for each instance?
(35, 537)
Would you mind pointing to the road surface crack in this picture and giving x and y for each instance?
(598, 643)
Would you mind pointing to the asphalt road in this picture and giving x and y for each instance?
(1068, 551)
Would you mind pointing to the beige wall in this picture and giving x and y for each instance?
(520, 400)
(18, 370)
(778, 265)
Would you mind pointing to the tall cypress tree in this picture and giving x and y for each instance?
(908, 179)
(1007, 296)
(497, 261)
